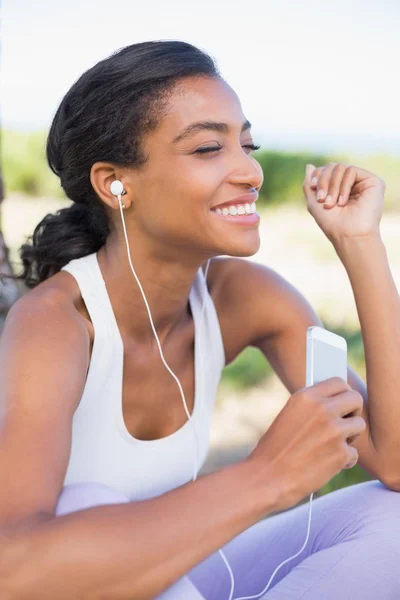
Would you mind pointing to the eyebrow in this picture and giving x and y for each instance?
(209, 126)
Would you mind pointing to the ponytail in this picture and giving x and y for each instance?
(104, 117)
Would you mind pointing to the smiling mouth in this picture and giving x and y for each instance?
(236, 209)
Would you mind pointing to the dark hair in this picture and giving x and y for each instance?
(103, 117)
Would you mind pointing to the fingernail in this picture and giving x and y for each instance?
(328, 199)
(313, 181)
(321, 194)
(341, 200)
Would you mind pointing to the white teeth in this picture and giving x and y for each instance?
(238, 209)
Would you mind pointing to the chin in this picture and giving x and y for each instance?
(243, 249)
(236, 235)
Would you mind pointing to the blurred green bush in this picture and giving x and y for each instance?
(284, 174)
(247, 370)
(251, 368)
(346, 477)
(26, 170)
(24, 164)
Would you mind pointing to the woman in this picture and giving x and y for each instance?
(97, 454)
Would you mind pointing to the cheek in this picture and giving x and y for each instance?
(191, 176)
(200, 187)
(189, 189)
(180, 193)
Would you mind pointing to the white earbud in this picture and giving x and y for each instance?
(116, 188)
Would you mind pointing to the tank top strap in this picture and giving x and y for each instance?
(208, 318)
(87, 274)
(91, 284)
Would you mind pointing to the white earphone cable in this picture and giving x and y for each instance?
(156, 336)
(197, 460)
(285, 561)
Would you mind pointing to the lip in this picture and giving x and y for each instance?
(246, 198)
(245, 220)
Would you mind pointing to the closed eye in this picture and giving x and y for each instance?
(215, 148)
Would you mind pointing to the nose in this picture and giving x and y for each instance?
(246, 171)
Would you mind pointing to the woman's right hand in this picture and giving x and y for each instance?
(310, 440)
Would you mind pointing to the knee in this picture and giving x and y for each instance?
(78, 496)
(384, 496)
(372, 499)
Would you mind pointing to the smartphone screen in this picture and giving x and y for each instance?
(325, 360)
(329, 361)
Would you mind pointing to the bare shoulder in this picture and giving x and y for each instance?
(47, 306)
(60, 292)
(253, 302)
(49, 311)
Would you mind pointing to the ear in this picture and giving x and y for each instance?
(102, 174)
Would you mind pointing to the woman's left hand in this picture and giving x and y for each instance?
(345, 201)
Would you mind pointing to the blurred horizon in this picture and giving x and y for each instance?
(310, 77)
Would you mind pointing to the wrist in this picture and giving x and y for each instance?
(266, 491)
(345, 245)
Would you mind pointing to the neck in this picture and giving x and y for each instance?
(166, 284)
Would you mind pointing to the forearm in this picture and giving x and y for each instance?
(378, 307)
(136, 550)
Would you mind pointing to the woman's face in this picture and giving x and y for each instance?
(176, 190)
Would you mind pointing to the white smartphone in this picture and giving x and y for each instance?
(326, 355)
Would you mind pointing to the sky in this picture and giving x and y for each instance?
(310, 75)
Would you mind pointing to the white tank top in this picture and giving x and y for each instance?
(102, 448)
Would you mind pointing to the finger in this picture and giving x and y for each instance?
(353, 427)
(310, 169)
(334, 185)
(353, 438)
(330, 387)
(323, 182)
(353, 458)
(348, 180)
(314, 177)
(347, 404)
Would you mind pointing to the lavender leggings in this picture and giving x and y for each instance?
(353, 550)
